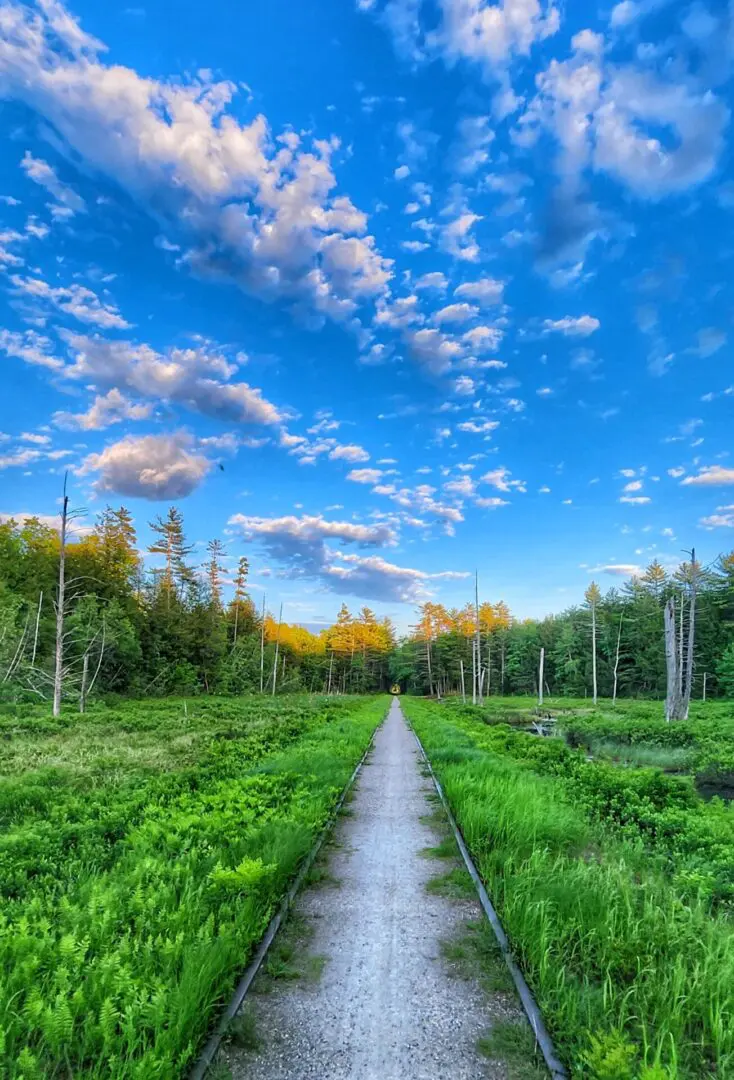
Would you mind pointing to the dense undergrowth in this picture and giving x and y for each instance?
(143, 851)
(614, 884)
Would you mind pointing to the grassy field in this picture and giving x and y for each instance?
(614, 882)
(143, 850)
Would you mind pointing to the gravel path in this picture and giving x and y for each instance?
(386, 1006)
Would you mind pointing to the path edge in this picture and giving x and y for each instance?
(206, 1058)
(529, 1004)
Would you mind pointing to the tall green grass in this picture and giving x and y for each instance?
(635, 982)
(130, 905)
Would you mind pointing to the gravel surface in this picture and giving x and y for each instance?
(385, 1007)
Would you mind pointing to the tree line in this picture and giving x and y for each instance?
(136, 631)
(612, 644)
(185, 627)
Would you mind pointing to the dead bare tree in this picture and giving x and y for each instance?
(262, 648)
(59, 652)
(616, 661)
(680, 648)
(477, 642)
(277, 648)
(38, 620)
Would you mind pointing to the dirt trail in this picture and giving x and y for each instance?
(387, 1005)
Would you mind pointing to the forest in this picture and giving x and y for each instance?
(186, 628)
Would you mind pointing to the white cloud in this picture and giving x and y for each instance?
(658, 132)
(302, 545)
(149, 467)
(625, 570)
(724, 519)
(486, 290)
(455, 313)
(434, 280)
(456, 239)
(491, 503)
(349, 452)
(30, 347)
(19, 458)
(500, 479)
(572, 326)
(709, 341)
(106, 409)
(401, 172)
(478, 427)
(34, 437)
(677, 472)
(197, 379)
(464, 386)
(10, 258)
(484, 339)
(414, 246)
(74, 300)
(365, 476)
(41, 173)
(260, 210)
(633, 485)
(710, 476)
(51, 521)
(433, 349)
(635, 500)
(491, 34)
(624, 13)
(470, 149)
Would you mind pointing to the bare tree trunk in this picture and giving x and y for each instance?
(680, 644)
(331, 665)
(101, 655)
(83, 691)
(616, 661)
(502, 669)
(236, 619)
(262, 648)
(540, 676)
(478, 634)
(430, 673)
(489, 665)
(593, 649)
(35, 636)
(463, 686)
(18, 652)
(691, 638)
(473, 670)
(672, 698)
(59, 661)
(277, 647)
(705, 676)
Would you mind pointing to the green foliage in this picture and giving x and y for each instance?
(725, 671)
(614, 885)
(143, 850)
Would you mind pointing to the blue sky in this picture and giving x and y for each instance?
(378, 292)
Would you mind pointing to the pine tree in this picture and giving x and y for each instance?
(213, 567)
(116, 542)
(172, 544)
(241, 599)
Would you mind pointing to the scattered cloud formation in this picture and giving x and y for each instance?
(710, 476)
(243, 203)
(572, 326)
(152, 467)
(76, 300)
